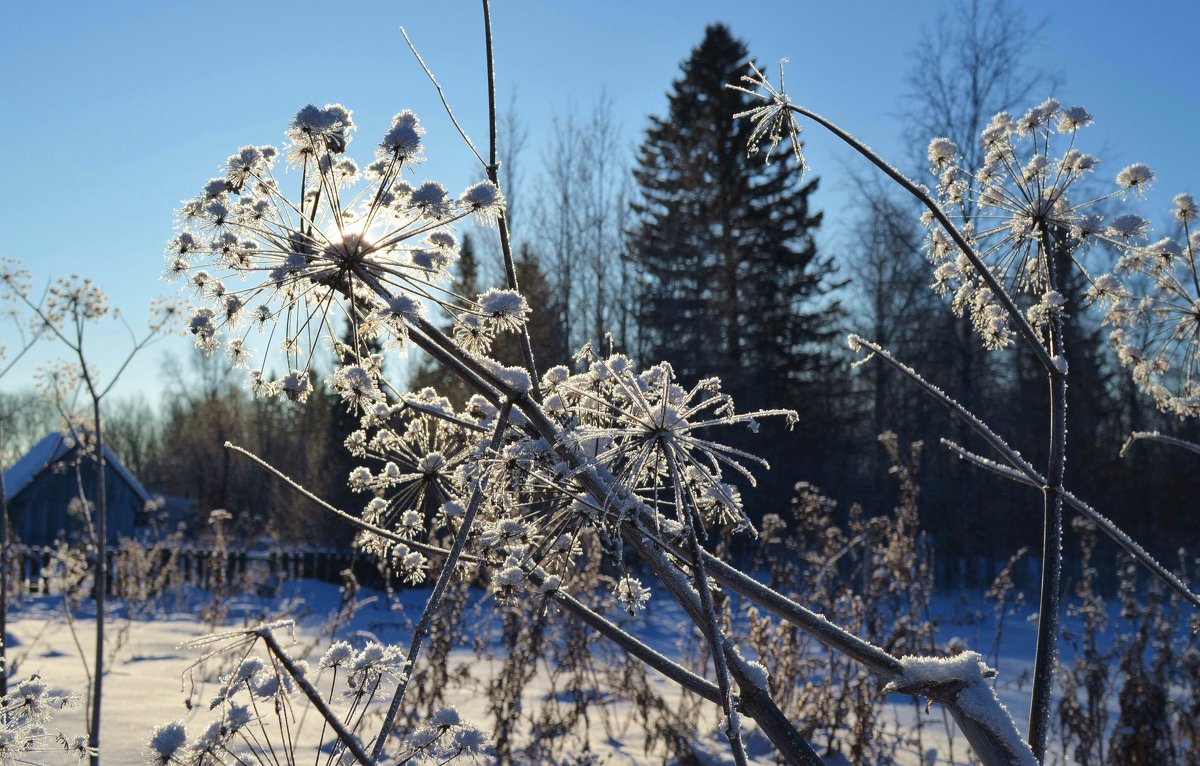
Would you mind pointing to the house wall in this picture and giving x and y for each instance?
(40, 515)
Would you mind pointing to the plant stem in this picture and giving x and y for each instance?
(510, 270)
(1046, 654)
(4, 564)
(1155, 436)
(345, 737)
(1028, 334)
(101, 580)
(439, 590)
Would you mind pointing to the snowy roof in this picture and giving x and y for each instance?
(49, 449)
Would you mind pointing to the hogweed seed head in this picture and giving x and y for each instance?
(773, 120)
(1154, 306)
(359, 247)
(1019, 212)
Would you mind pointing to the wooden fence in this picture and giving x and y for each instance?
(144, 571)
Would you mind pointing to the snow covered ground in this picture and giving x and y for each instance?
(149, 681)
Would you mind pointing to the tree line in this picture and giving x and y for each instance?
(688, 250)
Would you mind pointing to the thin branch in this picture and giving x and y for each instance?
(411, 402)
(837, 638)
(346, 517)
(1028, 334)
(344, 736)
(1046, 652)
(627, 641)
(442, 96)
(710, 625)
(1155, 436)
(989, 465)
(510, 269)
(1131, 546)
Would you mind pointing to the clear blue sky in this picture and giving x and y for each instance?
(111, 113)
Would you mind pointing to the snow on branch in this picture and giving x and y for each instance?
(962, 682)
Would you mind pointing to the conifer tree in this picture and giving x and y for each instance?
(549, 339)
(730, 278)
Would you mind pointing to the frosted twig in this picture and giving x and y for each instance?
(710, 625)
(1155, 436)
(412, 403)
(510, 269)
(984, 725)
(1028, 334)
(1046, 652)
(344, 736)
(833, 636)
(1131, 546)
(989, 464)
(627, 641)
(442, 95)
(346, 517)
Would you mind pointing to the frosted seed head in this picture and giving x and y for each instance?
(942, 152)
(1136, 177)
(166, 741)
(1185, 208)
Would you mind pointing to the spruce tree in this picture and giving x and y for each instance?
(548, 338)
(731, 282)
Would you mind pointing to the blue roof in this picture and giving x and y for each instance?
(51, 448)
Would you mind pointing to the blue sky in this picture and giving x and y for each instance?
(111, 113)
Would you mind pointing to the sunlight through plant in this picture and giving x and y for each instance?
(362, 247)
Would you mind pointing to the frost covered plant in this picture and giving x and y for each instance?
(1019, 230)
(653, 435)
(615, 450)
(1025, 215)
(446, 737)
(357, 245)
(71, 305)
(632, 594)
(607, 453)
(1154, 307)
(255, 718)
(25, 713)
(772, 119)
(416, 483)
(534, 468)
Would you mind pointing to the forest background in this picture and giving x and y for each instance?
(596, 216)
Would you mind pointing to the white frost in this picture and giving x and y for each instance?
(964, 681)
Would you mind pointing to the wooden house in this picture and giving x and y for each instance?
(43, 489)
